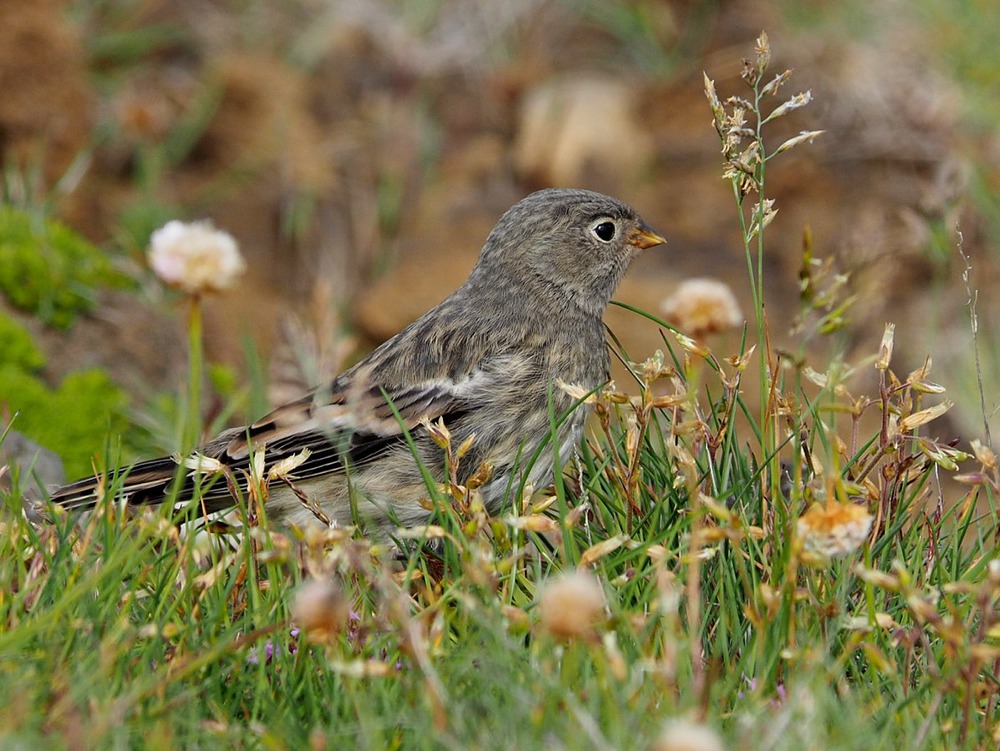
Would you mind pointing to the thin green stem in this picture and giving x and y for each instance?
(758, 281)
(772, 479)
(192, 426)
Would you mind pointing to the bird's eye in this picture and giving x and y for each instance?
(605, 231)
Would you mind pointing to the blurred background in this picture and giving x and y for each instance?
(361, 150)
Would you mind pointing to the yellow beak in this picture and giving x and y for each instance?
(644, 237)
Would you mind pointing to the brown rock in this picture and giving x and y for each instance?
(46, 109)
(582, 130)
(37, 468)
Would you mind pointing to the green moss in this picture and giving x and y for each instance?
(48, 269)
(73, 419)
(17, 348)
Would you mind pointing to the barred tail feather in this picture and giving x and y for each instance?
(147, 482)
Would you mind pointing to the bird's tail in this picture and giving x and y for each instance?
(148, 482)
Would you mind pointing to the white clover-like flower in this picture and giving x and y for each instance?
(703, 306)
(195, 257)
(320, 607)
(684, 735)
(571, 606)
(833, 530)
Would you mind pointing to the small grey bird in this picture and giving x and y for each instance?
(487, 361)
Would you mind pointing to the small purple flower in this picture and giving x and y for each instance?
(271, 649)
(780, 694)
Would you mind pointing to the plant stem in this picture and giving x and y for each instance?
(192, 425)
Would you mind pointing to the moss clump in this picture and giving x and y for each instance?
(53, 273)
(17, 348)
(48, 269)
(73, 419)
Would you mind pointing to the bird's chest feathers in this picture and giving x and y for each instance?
(582, 360)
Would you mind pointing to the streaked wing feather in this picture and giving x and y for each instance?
(342, 422)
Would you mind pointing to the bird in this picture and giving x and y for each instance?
(490, 363)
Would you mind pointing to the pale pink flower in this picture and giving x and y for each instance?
(571, 606)
(684, 735)
(320, 608)
(702, 306)
(832, 530)
(196, 257)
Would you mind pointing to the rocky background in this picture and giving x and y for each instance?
(360, 151)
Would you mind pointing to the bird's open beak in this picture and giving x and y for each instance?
(643, 237)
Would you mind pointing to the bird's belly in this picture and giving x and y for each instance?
(380, 507)
(509, 481)
(396, 495)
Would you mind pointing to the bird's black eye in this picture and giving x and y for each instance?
(605, 231)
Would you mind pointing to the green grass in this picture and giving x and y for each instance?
(686, 504)
(118, 631)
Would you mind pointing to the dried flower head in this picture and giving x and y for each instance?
(685, 735)
(702, 306)
(833, 530)
(204, 465)
(320, 609)
(885, 350)
(196, 257)
(571, 605)
(738, 122)
(924, 416)
(283, 469)
(984, 455)
(761, 215)
(993, 571)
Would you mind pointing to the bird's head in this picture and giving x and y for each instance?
(569, 246)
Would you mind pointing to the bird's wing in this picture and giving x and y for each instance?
(346, 423)
(350, 423)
